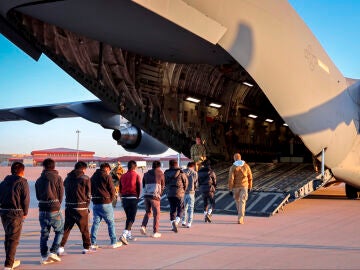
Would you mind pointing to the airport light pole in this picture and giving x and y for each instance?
(77, 145)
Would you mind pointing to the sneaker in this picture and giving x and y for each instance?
(143, 230)
(189, 225)
(174, 226)
(183, 224)
(208, 218)
(241, 220)
(123, 240)
(60, 251)
(94, 247)
(88, 251)
(156, 235)
(54, 257)
(131, 238)
(116, 245)
(45, 260)
(15, 264)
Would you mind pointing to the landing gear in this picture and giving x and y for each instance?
(351, 192)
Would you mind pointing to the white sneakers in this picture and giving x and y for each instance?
(94, 247)
(46, 260)
(116, 245)
(123, 239)
(143, 230)
(15, 264)
(156, 235)
(60, 251)
(186, 225)
(54, 257)
(174, 225)
(88, 251)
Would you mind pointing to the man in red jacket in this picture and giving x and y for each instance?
(129, 191)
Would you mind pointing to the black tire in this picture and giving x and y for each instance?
(351, 192)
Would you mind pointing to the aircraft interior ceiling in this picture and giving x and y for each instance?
(154, 95)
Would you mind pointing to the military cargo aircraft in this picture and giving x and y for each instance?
(247, 76)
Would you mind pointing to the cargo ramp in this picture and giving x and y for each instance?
(274, 185)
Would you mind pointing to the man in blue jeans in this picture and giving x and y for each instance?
(103, 193)
(50, 192)
(189, 199)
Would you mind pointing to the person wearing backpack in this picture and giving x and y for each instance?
(240, 183)
(177, 182)
(207, 186)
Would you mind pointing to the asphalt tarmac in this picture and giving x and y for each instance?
(319, 232)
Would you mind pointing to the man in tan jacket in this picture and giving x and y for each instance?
(240, 183)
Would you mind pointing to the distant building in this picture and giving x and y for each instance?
(66, 157)
(63, 157)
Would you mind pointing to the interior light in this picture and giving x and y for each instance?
(252, 116)
(215, 105)
(248, 84)
(269, 120)
(192, 99)
(286, 125)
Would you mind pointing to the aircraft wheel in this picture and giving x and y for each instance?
(351, 192)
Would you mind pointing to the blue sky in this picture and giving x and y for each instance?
(24, 82)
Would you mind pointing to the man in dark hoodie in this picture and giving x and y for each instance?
(14, 205)
(207, 186)
(49, 192)
(78, 192)
(103, 193)
(153, 187)
(177, 182)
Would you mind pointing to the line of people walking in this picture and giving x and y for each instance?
(80, 189)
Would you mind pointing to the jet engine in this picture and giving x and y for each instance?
(133, 139)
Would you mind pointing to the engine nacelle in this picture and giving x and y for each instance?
(132, 139)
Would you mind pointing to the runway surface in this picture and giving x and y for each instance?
(320, 232)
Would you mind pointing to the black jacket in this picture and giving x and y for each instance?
(207, 180)
(176, 181)
(77, 190)
(14, 196)
(102, 188)
(49, 191)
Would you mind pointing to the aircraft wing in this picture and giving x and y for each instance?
(130, 137)
(93, 110)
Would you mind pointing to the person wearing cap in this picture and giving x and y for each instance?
(198, 152)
